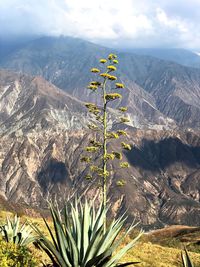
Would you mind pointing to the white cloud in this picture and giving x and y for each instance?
(119, 22)
(173, 23)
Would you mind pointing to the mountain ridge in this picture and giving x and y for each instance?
(66, 62)
(177, 55)
(26, 99)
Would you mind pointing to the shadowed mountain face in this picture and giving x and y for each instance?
(156, 89)
(162, 186)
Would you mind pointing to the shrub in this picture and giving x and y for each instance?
(12, 255)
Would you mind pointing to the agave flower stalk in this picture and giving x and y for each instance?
(104, 148)
(100, 86)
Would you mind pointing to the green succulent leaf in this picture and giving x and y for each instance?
(79, 238)
(19, 234)
(127, 264)
(187, 262)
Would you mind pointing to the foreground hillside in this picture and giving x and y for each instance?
(148, 251)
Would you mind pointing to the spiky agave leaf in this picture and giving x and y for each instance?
(21, 235)
(187, 262)
(78, 238)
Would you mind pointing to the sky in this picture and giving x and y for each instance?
(114, 23)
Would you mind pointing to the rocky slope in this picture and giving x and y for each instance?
(20, 92)
(161, 184)
(32, 104)
(155, 87)
(43, 131)
(43, 137)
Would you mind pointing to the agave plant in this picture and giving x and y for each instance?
(78, 239)
(18, 234)
(187, 262)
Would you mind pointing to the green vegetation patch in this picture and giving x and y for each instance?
(12, 255)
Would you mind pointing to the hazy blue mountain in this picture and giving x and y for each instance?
(9, 45)
(180, 56)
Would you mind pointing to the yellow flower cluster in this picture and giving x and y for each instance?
(112, 135)
(95, 111)
(90, 105)
(103, 60)
(95, 83)
(104, 75)
(94, 168)
(112, 78)
(112, 96)
(92, 87)
(95, 143)
(119, 85)
(126, 146)
(124, 119)
(104, 174)
(88, 177)
(99, 118)
(121, 182)
(111, 68)
(121, 132)
(95, 70)
(110, 156)
(91, 149)
(86, 159)
(123, 109)
(112, 56)
(92, 126)
(99, 171)
(124, 165)
(117, 155)
(108, 76)
(92, 108)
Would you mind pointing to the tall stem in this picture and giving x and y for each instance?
(104, 150)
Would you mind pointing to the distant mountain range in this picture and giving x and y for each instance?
(158, 91)
(180, 56)
(43, 129)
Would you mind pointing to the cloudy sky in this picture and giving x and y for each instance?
(119, 23)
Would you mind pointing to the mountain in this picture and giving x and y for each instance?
(175, 88)
(159, 92)
(43, 133)
(31, 103)
(9, 45)
(43, 137)
(180, 56)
